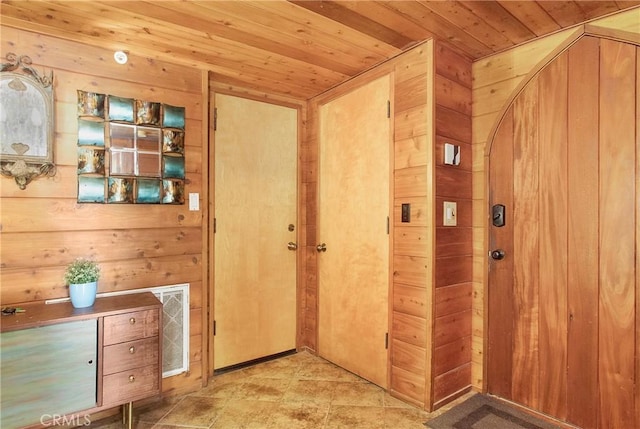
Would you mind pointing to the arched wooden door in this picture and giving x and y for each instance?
(564, 300)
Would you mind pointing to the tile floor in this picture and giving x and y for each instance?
(299, 391)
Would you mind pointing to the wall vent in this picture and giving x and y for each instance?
(175, 321)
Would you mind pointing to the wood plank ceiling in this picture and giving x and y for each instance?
(297, 48)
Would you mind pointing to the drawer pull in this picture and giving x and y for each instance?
(132, 350)
(132, 379)
(132, 321)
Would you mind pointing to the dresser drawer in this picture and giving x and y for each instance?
(131, 326)
(131, 385)
(133, 354)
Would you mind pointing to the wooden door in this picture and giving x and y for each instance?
(563, 321)
(353, 214)
(255, 211)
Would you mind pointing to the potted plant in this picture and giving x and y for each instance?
(82, 277)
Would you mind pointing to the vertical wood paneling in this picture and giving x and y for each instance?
(582, 251)
(453, 251)
(637, 238)
(499, 359)
(553, 238)
(617, 244)
(525, 243)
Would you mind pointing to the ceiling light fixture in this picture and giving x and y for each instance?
(120, 57)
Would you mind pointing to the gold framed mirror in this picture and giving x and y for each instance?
(26, 121)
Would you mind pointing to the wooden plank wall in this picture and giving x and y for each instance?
(421, 124)
(412, 295)
(453, 252)
(43, 227)
(494, 80)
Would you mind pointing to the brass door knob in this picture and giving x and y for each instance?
(321, 247)
(292, 245)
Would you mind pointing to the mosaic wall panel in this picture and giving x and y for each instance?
(129, 151)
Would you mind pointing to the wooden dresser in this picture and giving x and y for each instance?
(56, 360)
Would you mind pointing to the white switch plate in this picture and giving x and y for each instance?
(450, 213)
(194, 201)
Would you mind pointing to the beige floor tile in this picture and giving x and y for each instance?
(404, 418)
(249, 414)
(390, 401)
(298, 416)
(152, 413)
(362, 394)
(310, 391)
(323, 370)
(300, 391)
(263, 389)
(198, 411)
(350, 417)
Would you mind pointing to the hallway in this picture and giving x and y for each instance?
(298, 391)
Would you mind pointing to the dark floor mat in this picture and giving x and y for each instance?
(484, 412)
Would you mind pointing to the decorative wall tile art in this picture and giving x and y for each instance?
(120, 190)
(123, 163)
(148, 191)
(90, 161)
(147, 113)
(122, 136)
(90, 133)
(149, 164)
(121, 109)
(91, 189)
(148, 139)
(173, 167)
(173, 117)
(173, 141)
(143, 157)
(90, 104)
(173, 192)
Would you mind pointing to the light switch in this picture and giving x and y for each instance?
(450, 213)
(194, 201)
(406, 212)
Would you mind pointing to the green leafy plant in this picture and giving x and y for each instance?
(82, 271)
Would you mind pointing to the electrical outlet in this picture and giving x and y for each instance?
(450, 213)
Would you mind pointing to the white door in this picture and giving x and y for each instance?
(255, 211)
(353, 214)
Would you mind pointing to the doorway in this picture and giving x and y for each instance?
(255, 230)
(563, 279)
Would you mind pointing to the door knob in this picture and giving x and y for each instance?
(292, 246)
(497, 254)
(321, 247)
